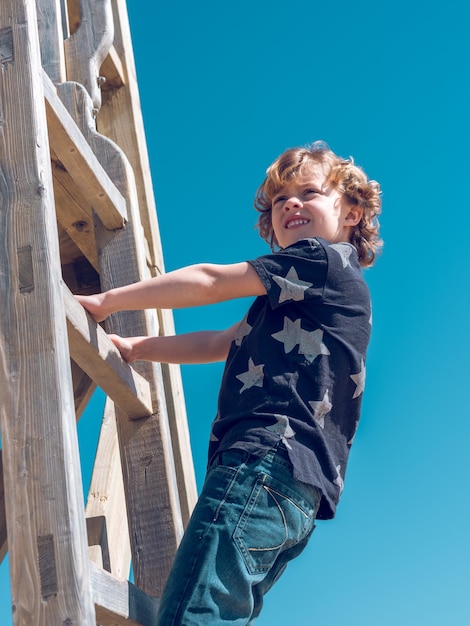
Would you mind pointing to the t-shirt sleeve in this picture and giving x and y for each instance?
(294, 274)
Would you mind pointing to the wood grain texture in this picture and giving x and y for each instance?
(120, 602)
(105, 215)
(129, 134)
(75, 154)
(50, 578)
(89, 45)
(106, 496)
(74, 213)
(146, 449)
(96, 354)
(51, 38)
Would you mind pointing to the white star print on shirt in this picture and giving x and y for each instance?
(243, 330)
(282, 427)
(289, 335)
(292, 288)
(321, 408)
(253, 377)
(339, 480)
(344, 252)
(360, 380)
(311, 344)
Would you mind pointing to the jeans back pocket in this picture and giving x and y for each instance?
(276, 518)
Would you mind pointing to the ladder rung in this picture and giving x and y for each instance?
(76, 155)
(120, 602)
(95, 353)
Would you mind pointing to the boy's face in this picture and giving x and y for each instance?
(309, 206)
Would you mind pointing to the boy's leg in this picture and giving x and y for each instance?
(248, 516)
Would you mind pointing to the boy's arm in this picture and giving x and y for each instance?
(194, 285)
(199, 347)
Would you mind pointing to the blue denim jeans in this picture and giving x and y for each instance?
(251, 519)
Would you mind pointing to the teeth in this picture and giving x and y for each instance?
(298, 222)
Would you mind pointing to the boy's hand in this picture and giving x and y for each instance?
(94, 305)
(124, 346)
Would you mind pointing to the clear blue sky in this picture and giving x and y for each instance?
(225, 87)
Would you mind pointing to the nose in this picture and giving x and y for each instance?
(292, 204)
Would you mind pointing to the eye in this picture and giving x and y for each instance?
(310, 192)
(278, 199)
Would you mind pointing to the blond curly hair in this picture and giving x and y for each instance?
(347, 178)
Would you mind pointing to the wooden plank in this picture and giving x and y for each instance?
(120, 602)
(146, 450)
(96, 354)
(50, 577)
(51, 38)
(3, 519)
(120, 118)
(74, 213)
(75, 154)
(181, 443)
(89, 45)
(106, 497)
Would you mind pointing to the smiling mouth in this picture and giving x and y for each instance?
(296, 222)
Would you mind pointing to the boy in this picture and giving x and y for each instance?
(292, 387)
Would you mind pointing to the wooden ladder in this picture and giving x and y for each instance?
(77, 215)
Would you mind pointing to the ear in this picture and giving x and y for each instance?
(353, 216)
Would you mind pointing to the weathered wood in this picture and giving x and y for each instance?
(89, 45)
(120, 602)
(146, 450)
(182, 452)
(78, 159)
(49, 567)
(97, 531)
(120, 118)
(74, 213)
(50, 577)
(96, 354)
(83, 388)
(106, 497)
(51, 38)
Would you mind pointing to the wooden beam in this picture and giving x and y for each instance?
(120, 602)
(106, 497)
(74, 213)
(96, 354)
(154, 512)
(120, 118)
(78, 159)
(50, 24)
(88, 46)
(50, 577)
(181, 443)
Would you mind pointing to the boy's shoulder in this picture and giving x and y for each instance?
(318, 250)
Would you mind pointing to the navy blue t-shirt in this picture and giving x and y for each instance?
(295, 371)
